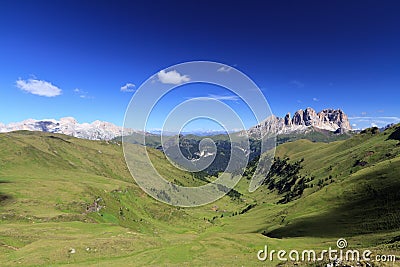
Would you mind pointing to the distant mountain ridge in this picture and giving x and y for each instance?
(334, 120)
(97, 130)
(303, 121)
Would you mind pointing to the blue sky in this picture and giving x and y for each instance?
(71, 58)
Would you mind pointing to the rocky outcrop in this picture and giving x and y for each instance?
(310, 117)
(298, 117)
(97, 130)
(288, 120)
(334, 120)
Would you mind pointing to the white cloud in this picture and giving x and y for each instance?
(296, 83)
(172, 77)
(393, 118)
(365, 122)
(315, 99)
(127, 88)
(81, 93)
(224, 69)
(224, 97)
(38, 87)
(363, 113)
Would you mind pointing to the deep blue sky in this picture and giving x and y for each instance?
(322, 54)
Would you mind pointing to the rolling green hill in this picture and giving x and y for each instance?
(71, 201)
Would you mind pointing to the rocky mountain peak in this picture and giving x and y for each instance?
(68, 120)
(335, 117)
(298, 117)
(288, 119)
(310, 117)
(334, 120)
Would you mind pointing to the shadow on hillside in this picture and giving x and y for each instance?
(395, 135)
(376, 211)
(4, 198)
(58, 138)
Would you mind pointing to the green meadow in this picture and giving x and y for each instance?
(69, 201)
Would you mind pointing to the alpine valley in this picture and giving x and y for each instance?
(72, 201)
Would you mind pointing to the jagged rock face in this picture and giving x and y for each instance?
(336, 117)
(288, 120)
(327, 119)
(307, 117)
(96, 130)
(298, 118)
(310, 117)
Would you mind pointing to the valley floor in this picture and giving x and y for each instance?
(67, 201)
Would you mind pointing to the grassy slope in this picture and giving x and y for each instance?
(342, 206)
(314, 135)
(46, 182)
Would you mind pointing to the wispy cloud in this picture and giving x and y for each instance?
(369, 118)
(224, 97)
(224, 69)
(315, 99)
(364, 113)
(296, 84)
(38, 87)
(81, 93)
(219, 97)
(127, 88)
(172, 77)
(365, 122)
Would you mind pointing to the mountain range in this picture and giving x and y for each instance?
(332, 120)
(97, 130)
